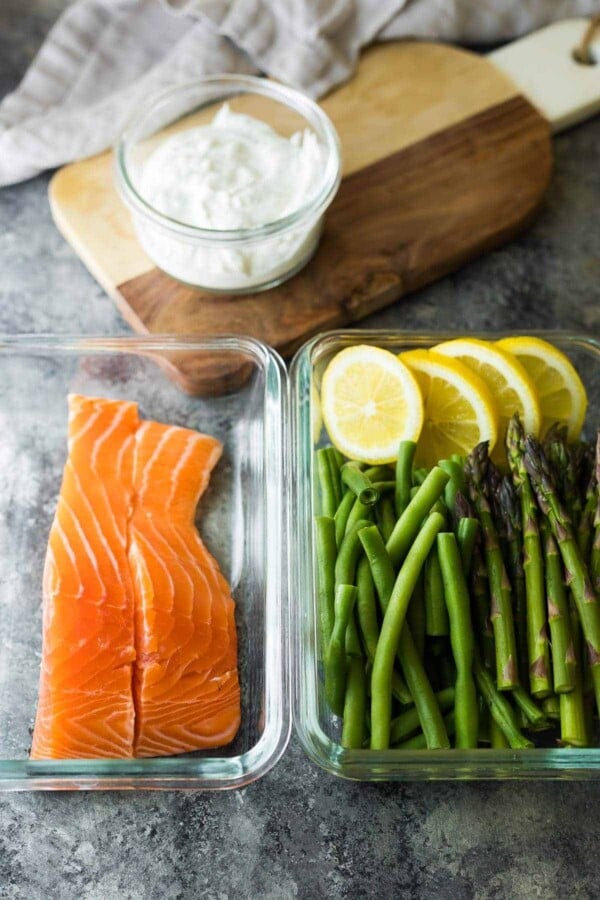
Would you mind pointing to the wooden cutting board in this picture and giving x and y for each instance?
(444, 158)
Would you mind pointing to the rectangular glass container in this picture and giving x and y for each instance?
(317, 728)
(242, 518)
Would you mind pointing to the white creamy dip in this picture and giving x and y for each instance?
(235, 173)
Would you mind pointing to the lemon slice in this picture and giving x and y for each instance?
(560, 389)
(459, 410)
(506, 379)
(370, 402)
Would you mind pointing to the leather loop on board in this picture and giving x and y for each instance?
(583, 53)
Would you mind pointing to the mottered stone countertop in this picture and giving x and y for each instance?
(299, 832)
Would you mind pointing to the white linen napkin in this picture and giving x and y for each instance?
(104, 57)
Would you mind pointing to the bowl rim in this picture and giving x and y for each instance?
(245, 84)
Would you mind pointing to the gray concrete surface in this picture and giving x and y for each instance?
(300, 833)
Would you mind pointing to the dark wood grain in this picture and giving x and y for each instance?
(394, 226)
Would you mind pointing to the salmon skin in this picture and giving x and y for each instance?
(139, 643)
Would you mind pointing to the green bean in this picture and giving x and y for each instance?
(410, 521)
(353, 645)
(457, 481)
(380, 563)
(404, 475)
(467, 534)
(391, 630)
(359, 483)
(407, 722)
(369, 626)
(366, 608)
(348, 555)
(417, 682)
(386, 516)
(436, 615)
(326, 556)
(416, 616)
(422, 693)
(355, 704)
(335, 658)
(384, 487)
(419, 476)
(379, 473)
(360, 511)
(339, 457)
(328, 493)
(400, 690)
(419, 741)
(498, 739)
(341, 516)
(462, 640)
(335, 473)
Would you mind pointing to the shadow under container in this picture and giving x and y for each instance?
(241, 517)
(318, 730)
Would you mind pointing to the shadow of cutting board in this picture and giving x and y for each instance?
(444, 159)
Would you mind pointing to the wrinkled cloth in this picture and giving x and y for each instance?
(104, 58)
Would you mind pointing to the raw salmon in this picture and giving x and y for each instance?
(186, 688)
(139, 641)
(85, 706)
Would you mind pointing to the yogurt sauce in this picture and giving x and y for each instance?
(235, 173)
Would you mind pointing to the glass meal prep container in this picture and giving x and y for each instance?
(241, 518)
(318, 730)
(256, 518)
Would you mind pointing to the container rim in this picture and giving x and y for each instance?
(235, 85)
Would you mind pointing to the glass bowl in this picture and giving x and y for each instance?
(317, 729)
(232, 261)
(242, 518)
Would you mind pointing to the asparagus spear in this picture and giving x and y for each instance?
(499, 706)
(480, 602)
(576, 571)
(573, 729)
(491, 485)
(501, 615)
(537, 635)
(585, 529)
(563, 652)
(511, 515)
(595, 551)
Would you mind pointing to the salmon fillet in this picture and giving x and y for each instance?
(186, 688)
(139, 642)
(85, 706)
